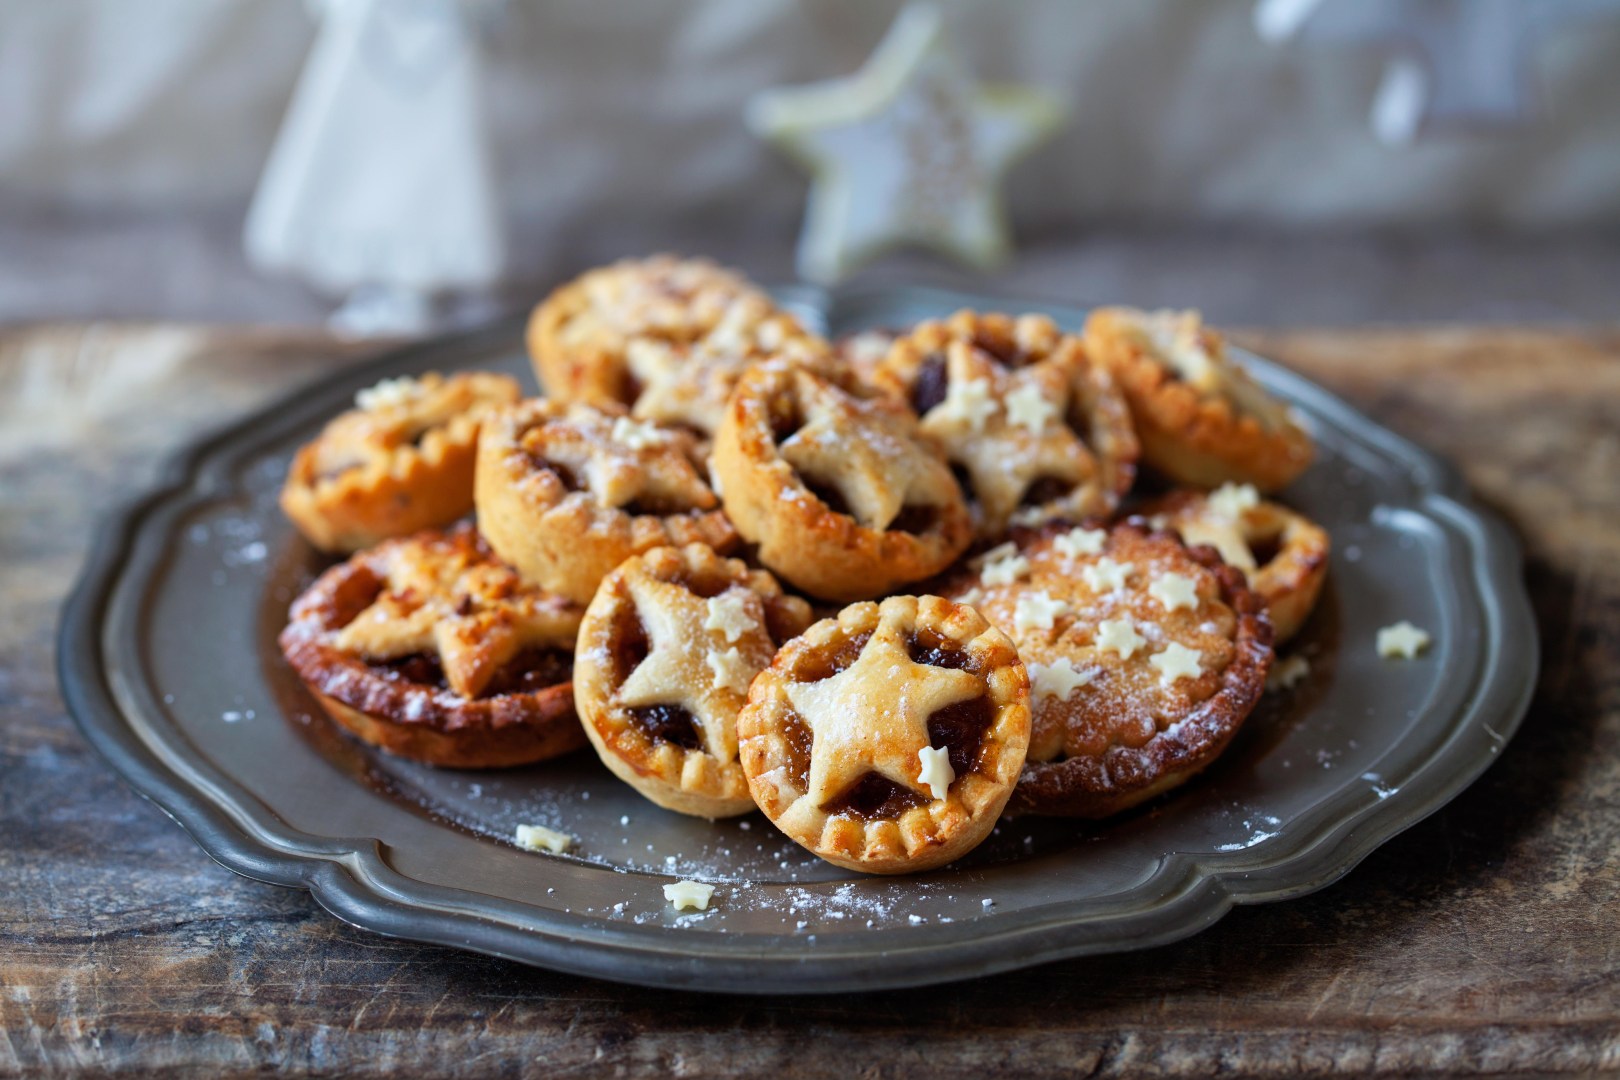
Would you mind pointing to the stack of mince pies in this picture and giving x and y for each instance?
(883, 589)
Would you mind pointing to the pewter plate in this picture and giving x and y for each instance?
(168, 661)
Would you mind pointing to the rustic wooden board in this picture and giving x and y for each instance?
(1486, 939)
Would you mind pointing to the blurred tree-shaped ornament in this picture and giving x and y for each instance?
(380, 187)
(909, 150)
(1462, 62)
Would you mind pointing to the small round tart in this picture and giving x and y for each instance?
(843, 498)
(689, 383)
(401, 461)
(1202, 418)
(1144, 658)
(578, 336)
(432, 649)
(567, 492)
(1034, 429)
(1283, 554)
(666, 652)
(888, 739)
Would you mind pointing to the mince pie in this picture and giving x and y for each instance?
(1144, 658)
(843, 498)
(1284, 554)
(666, 652)
(1203, 420)
(1033, 428)
(889, 738)
(567, 492)
(402, 460)
(433, 649)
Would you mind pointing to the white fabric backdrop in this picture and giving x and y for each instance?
(613, 112)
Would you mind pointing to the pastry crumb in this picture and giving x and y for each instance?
(540, 838)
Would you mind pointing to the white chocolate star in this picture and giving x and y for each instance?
(1003, 565)
(1030, 409)
(732, 671)
(1057, 680)
(540, 838)
(636, 435)
(1175, 591)
(1078, 542)
(1231, 500)
(873, 715)
(1106, 575)
(969, 402)
(1119, 635)
(1177, 661)
(936, 772)
(1402, 640)
(1037, 610)
(731, 613)
(388, 393)
(694, 895)
(1286, 672)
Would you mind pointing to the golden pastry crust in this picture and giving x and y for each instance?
(1144, 658)
(1036, 429)
(843, 499)
(399, 462)
(430, 648)
(1283, 554)
(666, 652)
(864, 351)
(666, 336)
(1202, 419)
(888, 740)
(566, 493)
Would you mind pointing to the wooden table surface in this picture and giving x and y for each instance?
(1484, 940)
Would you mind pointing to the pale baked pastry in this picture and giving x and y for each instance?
(1203, 420)
(1033, 428)
(666, 652)
(1144, 658)
(567, 492)
(1283, 554)
(431, 648)
(400, 461)
(842, 497)
(666, 336)
(888, 739)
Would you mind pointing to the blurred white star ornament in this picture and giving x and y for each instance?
(908, 150)
(1451, 61)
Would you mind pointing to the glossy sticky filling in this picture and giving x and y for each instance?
(529, 672)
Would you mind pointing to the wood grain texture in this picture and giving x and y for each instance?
(1484, 940)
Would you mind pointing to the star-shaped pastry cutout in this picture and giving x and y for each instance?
(1037, 610)
(910, 150)
(656, 471)
(934, 770)
(873, 715)
(1177, 662)
(467, 612)
(1175, 591)
(863, 450)
(681, 667)
(1079, 542)
(1120, 636)
(1402, 640)
(1009, 452)
(1105, 575)
(1057, 680)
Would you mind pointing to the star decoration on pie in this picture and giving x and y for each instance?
(733, 613)
(1106, 575)
(872, 717)
(681, 667)
(1120, 636)
(1057, 680)
(934, 770)
(1231, 501)
(1038, 611)
(1177, 662)
(471, 614)
(1175, 591)
(654, 471)
(1003, 565)
(1402, 640)
(864, 451)
(909, 150)
(1016, 445)
(1080, 542)
(968, 403)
